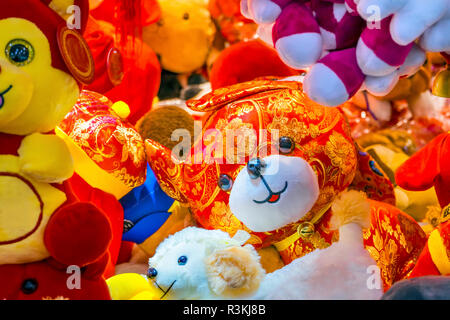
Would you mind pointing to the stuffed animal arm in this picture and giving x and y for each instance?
(46, 158)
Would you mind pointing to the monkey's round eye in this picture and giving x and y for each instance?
(186, 16)
(19, 52)
(225, 182)
(182, 260)
(286, 145)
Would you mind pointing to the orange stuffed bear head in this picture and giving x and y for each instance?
(269, 159)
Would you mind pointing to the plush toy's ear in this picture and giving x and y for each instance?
(218, 98)
(234, 271)
(76, 54)
(168, 171)
(420, 171)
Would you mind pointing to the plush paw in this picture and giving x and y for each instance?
(46, 158)
(377, 53)
(334, 79)
(296, 36)
(263, 11)
(381, 86)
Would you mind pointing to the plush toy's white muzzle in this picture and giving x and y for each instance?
(284, 192)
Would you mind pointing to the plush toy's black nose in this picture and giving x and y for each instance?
(255, 167)
(152, 273)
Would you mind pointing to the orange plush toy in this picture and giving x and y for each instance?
(427, 168)
(56, 230)
(271, 162)
(246, 61)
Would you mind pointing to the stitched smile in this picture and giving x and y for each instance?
(165, 291)
(273, 197)
(2, 99)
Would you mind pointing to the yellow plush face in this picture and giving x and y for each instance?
(34, 96)
(183, 36)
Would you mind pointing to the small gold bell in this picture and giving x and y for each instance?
(441, 85)
(306, 230)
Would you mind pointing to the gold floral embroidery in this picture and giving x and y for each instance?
(222, 218)
(341, 153)
(244, 139)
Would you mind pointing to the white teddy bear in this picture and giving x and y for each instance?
(204, 264)
(207, 264)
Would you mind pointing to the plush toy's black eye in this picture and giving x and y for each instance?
(286, 145)
(182, 260)
(225, 182)
(19, 52)
(152, 273)
(186, 16)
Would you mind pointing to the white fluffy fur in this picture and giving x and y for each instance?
(300, 50)
(322, 85)
(294, 203)
(192, 281)
(341, 271)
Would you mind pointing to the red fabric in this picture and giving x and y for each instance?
(425, 265)
(85, 231)
(81, 191)
(150, 11)
(246, 61)
(429, 167)
(10, 143)
(125, 252)
(78, 233)
(52, 283)
(142, 71)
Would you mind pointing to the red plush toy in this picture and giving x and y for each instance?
(430, 167)
(132, 76)
(246, 61)
(56, 231)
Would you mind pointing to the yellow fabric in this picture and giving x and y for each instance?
(438, 253)
(132, 286)
(15, 217)
(41, 95)
(46, 158)
(91, 172)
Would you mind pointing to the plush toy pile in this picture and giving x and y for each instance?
(236, 149)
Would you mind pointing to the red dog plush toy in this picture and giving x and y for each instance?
(55, 229)
(271, 162)
(427, 168)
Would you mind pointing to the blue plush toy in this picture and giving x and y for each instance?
(146, 209)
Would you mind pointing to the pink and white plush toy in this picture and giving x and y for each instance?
(351, 45)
